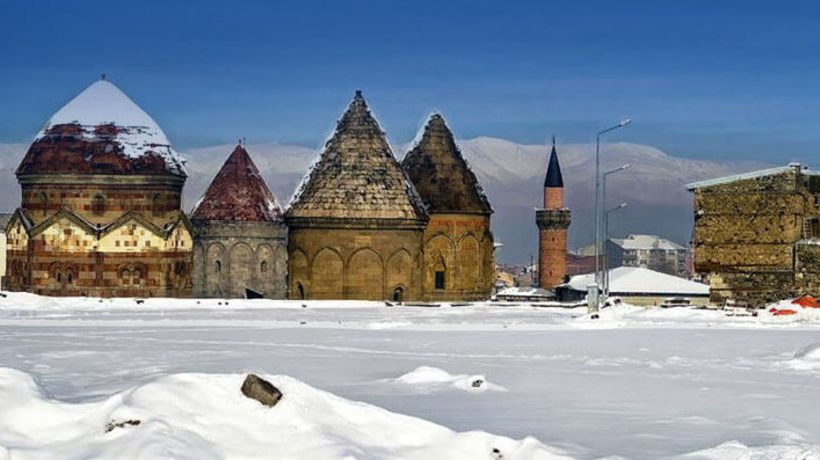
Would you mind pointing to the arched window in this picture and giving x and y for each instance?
(218, 266)
(156, 204)
(44, 202)
(263, 267)
(398, 294)
(98, 205)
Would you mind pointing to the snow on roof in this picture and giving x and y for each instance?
(737, 177)
(639, 280)
(646, 242)
(103, 103)
(519, 291)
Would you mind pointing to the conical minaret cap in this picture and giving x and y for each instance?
(554, 179)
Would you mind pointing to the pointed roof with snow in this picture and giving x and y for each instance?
(554, 179)
(440, 173)
(356, 175)
(238, 192)
(101, 131)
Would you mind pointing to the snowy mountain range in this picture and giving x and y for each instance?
(511, 174)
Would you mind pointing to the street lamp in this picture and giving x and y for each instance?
(606, 236)
(599, 199)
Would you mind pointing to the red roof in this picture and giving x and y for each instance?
(238, 192)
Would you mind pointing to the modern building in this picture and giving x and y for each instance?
(757, 235)
(240, 238)
(637, 286)
(100, 212)
(356, 223)
(648, 251)
(458, 244)
(552, 221)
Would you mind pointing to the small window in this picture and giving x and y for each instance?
(156, 204)
(398, 294)
(98, 205)
(263, 267)
(439, 279)
(218, 266)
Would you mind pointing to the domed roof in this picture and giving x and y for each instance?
(101, 131)
(238, 192)
(441, 174)
(356, 176)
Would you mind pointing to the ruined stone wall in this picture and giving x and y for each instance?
(460, 246)
(746, 234)
(807, 275)
(340, 262)
(230, 256)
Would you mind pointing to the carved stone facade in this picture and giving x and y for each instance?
(240, 238)
(756, 235)
(100, 213)
(356, 222)
(458, 248)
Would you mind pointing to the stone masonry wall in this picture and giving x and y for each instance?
(230, 256)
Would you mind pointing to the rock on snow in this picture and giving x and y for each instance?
(205, 416)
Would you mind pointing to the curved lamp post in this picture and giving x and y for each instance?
(599, 198)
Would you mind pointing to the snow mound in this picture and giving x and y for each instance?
(806, 358)
(433, 378)
(205, 416)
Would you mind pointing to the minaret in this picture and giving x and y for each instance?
(552, 222)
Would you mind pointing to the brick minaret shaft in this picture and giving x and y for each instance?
(553, 222)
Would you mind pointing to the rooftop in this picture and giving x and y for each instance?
(101, 131)
(646, 242)
(638, 280)
(238, 193)
(356, 175)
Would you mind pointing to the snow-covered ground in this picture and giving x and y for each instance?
(636, 383)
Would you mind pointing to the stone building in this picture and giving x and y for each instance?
(458, 244)
(100, 212)
(552, 221)
(757, 235)
(240, 238)
(356, 224)
(4, 219)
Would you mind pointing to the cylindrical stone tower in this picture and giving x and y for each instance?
(553, 222)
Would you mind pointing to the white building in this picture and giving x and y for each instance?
(637, 286)
(648, 251)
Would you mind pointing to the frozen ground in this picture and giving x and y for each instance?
(636, 383)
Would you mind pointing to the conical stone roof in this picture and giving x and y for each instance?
(101, 131)
(440, 173)
(356, 176)
(238, 192)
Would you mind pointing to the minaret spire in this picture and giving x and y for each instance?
(553, 222)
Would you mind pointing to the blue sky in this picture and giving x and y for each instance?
(699, 79)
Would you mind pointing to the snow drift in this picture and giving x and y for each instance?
(205, 416)
(433, 378)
